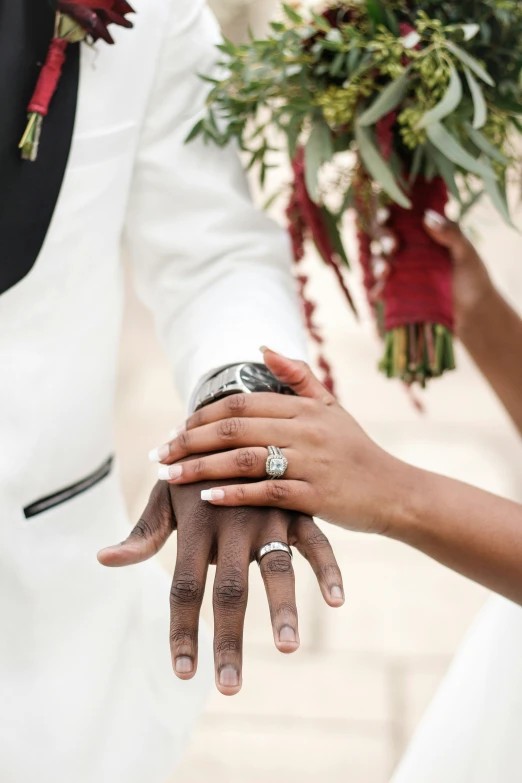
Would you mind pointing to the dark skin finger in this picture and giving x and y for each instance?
(312, 543)
(278, 577)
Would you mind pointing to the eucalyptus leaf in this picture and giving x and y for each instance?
(446, 170)
(331, 223)
(377, 166)
(479, 103)
(470, 61)
(448, 104)
(485, 146)
(498, 198)
(418, 156)
(387, 100)
(292, 15)
(318, 150)
(442, 139)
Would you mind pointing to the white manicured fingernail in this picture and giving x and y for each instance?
(168, 472)
(383, 215)
(388, 244)
(177, 431)
(376, 248)
(434, 220)
(159, 454)
(212, 494)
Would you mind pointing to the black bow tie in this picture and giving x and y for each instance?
(28, 191)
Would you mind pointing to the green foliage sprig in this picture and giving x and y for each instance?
(447, 74)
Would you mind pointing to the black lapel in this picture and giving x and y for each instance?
(29, 191)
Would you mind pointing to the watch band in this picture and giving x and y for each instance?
(229, 379)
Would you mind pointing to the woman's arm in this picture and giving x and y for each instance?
(488, 327)
(470, 531)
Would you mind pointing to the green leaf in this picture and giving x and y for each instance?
(292, 15)
(318, 150)
(321, 22)
(442, 139)
(498, 197)
(418, 156)
(196, 131)
(470, 31)
(375, 11)
(446, 170)
(335, 236)
(387, 100)
(377, 166)
(470, 61)
(480, 141)
(448, 104)
(481, 112)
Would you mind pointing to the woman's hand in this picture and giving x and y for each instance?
(334, 470)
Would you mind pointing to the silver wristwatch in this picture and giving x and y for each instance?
(244, 378)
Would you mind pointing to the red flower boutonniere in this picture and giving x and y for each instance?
(76, 20)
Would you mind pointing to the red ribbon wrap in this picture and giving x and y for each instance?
(419, 287)
(48, 78)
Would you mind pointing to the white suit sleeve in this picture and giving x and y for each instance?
(214, 269)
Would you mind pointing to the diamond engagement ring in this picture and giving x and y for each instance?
(276, 463)
(274, 546)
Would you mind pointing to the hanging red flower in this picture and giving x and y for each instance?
(76, 20)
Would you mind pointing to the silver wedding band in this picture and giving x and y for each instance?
(274, 546)
(276, 463)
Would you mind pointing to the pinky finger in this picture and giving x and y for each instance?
(294, 495)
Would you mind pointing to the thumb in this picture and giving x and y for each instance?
(297, 375)
(449, 235)
(149, 535)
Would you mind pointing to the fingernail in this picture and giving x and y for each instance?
(388, 244)
(168, 472)
(184, 664)
(336, 592)
(383, 215)
(177, 431)
(228, 677)
(287, 634)
(263, 348)
(212, 494)
(376, 248)
(434, 220)
(162, 452)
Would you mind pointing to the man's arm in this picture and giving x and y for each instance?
(215, 270)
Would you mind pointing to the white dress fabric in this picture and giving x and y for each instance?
(472, 732)
(87, 692)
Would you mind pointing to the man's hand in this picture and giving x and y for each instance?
(230, 538)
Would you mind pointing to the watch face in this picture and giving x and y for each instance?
(257, 378)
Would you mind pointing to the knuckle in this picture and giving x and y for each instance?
(196, 420)
(182, 637)
(228, 429)
(227, 643)
(277, 490)
(184, 440)
(328, 572)
(230, 591)
(199, 467)
(236, 403)
(277, 564)
(316, 539)
(185, 591)
(247, 460)
(286, 609)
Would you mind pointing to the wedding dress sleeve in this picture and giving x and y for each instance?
(215, 270)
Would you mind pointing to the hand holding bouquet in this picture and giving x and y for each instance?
(425, 95)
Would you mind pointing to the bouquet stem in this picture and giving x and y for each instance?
(417, 352)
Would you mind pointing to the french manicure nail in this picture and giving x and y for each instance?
(228, 677)
(336, 592)
(287, 634)
(434, 219)
(388, 244)
(184, 664)
(212, 494)
(168, 472)
(160, 453)
(177, 431)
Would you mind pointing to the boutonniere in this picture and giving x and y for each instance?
(76, 20)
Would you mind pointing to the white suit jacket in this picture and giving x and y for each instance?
(87, 692)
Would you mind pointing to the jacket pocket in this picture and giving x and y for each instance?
(67, 493)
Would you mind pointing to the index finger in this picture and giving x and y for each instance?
(260, 404)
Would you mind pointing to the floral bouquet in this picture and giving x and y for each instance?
(425, 95)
